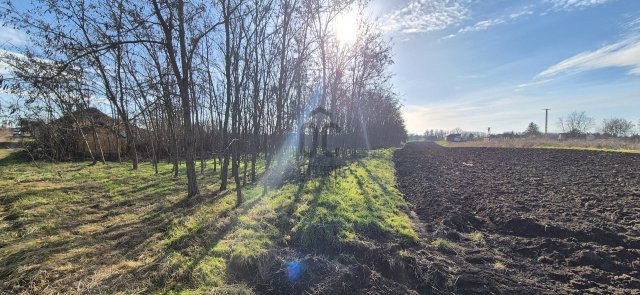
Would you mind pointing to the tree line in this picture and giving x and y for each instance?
(578, 123)
(227, 80)
(573, 124)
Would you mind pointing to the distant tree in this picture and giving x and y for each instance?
(617, 127)
(457, 130)
(576, 123)
(508, 134)
(532, 130)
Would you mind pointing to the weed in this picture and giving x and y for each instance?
(478, 238)
(444, 246)
(499, 266)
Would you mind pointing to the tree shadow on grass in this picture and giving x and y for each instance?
(99, 248)
(374, 177)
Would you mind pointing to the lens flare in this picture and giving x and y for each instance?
(284, 158)
(294, 270)
(363, 125)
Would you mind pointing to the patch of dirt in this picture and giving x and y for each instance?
(529, 220)
(361, 267)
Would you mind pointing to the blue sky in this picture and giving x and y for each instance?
(475, 64)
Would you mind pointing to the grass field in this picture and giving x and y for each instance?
(608, 145)
(75, 228)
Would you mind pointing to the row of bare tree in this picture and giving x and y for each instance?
(201, 79)
(578, 123)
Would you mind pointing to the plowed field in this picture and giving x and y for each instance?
(544, 221)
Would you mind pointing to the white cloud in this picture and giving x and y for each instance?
(573, 4)
(482, 25)
(12, 37)
(486, 24)
(528, 10)
(5, 69)
(633, 25)
(425, 15)
(625, 53)
(534, 83)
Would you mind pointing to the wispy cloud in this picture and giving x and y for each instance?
(534, 83)
(633, 26)
(486, 24)
(573, 4)
(625, 53)
(11, 37)
(482, 25)
(425, 15)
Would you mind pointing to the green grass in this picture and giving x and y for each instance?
(445, 246)
(77, 228)
(443, 143)
(5, 152)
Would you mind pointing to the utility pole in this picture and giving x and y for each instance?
(546, 120)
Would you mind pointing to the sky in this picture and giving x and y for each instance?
(475, 64)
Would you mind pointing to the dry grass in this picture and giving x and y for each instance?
(612, 144)
(73, 228)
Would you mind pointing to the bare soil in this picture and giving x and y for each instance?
(528, 221)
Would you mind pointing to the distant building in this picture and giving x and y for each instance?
(72, 135)
(17, 132)
(110, 138)
(456, 137)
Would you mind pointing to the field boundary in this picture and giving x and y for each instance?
(616, 146)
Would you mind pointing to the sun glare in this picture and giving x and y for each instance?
(346, 27)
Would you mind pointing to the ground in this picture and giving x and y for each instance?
(529, 220)
(624, 145)
(423, 219)
(77, 228)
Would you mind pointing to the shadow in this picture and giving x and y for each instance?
(13, 159)
(118, 246)
(373, 177)
(120, 240)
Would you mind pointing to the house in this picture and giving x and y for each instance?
(108, 136)
(17, 132)
(456, 137)
(76, 133)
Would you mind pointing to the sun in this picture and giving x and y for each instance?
(346, 27)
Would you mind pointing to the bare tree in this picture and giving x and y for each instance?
(617, 127)
(182, 89)
(576, 123)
